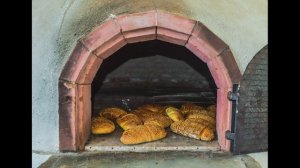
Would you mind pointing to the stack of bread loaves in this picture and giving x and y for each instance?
(148, 122)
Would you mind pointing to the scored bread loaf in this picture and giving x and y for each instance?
(158, 121)
(202, 115)
(112, 113)
(174, 114)
(142, 133)
(150, 117)
(193, 130)
(101, 125)
(203, 122)
(128, 121)
(189, 107)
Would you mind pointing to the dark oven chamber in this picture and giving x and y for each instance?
(152, 72)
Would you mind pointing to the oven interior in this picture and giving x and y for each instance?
(152, 72)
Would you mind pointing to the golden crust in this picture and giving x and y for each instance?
(101, 125)
(112, 113)
(207, 134)
(202, 115)
(152, 107)
(189, 107)
(174, 114)
(128, 121)
(142, 133)
(143, 114)
(158, 121)
(193, 130)
(149, 117)
(203, 122)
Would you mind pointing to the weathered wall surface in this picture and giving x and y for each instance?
(46, 19)
(57, 25)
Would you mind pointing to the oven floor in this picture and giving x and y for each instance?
(172, 142)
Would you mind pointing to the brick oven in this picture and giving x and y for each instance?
(155, 57)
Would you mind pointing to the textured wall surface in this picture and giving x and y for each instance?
(46, 20)
(57, 25)
(252, 118)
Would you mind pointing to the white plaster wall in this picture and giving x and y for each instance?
(46, 19)
(243, 25)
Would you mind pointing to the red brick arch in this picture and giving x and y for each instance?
(87, 56)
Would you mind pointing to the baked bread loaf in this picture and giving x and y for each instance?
(112, 113)
(202, 115)
(128, 121)
(142, 133)
(152, 107)
(189, 107)
(174, 114)
(148, 117)
(159, 121)
(193, 130)
(101, 125)
(203, 122)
